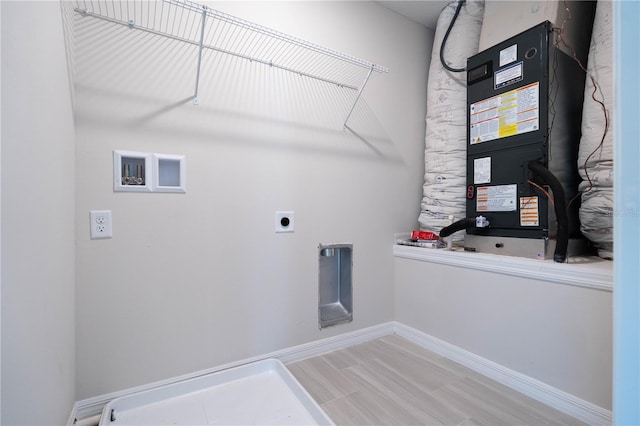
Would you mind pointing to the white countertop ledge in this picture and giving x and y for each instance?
(585, 271)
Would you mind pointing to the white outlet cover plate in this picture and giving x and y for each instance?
(280, 227)
(100, 221)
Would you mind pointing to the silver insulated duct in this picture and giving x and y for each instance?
(445, 141)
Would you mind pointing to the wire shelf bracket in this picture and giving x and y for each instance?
(360, 90)
(206, 28)
(204, 24)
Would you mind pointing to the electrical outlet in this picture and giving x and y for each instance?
(100, 221)
(284, 221)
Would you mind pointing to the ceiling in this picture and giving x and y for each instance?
(425, 12)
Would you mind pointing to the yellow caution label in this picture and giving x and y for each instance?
(508, 114)
(529, 213)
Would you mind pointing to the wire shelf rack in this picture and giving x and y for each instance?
(207, 28)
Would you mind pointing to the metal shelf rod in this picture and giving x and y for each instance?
(132, 26)
(278, 50)
(292, 40)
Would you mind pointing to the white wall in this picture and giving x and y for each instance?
(555, 333)
(38, 332)
(194, 280)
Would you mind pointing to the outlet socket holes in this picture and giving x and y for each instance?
(100, 221)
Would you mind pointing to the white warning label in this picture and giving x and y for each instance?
(511, 113)
(508, 75)
(482, 170)
(508, 55)
(529, 213)
(499, 198)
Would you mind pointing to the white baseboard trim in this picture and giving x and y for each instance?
(73, 415)
(93, 406)
(560, 400)
(330, 344)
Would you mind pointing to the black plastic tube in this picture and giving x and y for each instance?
(446, 36)
(562, 216)
(458, 226)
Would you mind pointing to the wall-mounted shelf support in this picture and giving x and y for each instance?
(360, 90)
(206, 28)
(204, 24)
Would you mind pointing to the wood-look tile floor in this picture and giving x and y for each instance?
(391, 381)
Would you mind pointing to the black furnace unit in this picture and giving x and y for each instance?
(524, 111)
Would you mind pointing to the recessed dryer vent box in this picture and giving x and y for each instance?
(335, 301)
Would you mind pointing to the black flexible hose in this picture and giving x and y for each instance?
(446, 36)
(458, 226)
(562, 239)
